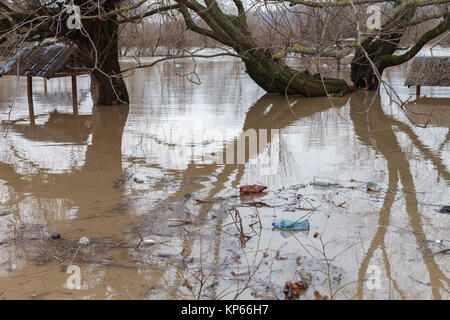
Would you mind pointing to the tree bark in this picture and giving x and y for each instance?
(383, 43)
(268, 71)
(276, 77)
(382, 55)
(100, 53)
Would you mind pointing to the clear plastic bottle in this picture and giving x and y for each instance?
(324, 182)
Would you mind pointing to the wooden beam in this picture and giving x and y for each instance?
(30, 99)
(62, 75)
(74, 95)
(418, 91)
(45, 85)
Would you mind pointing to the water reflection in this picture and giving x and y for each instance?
(60, 174)
(376, 130)
(86, 187)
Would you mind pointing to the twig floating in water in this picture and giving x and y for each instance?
(181, 220)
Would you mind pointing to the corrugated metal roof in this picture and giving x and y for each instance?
(429, 71)
(41, 61)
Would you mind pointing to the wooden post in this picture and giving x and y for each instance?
(74, 89)
(74, 95)
(30, 99)
(45, 85)
(338, 68)
(417, 91)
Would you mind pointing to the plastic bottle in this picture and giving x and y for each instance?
(324, 182)
(292, 225)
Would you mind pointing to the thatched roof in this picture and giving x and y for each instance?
(41, 61)
(429, 71)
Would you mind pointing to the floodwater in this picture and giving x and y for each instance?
(116, 174)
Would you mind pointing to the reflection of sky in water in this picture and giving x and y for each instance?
(173, 120)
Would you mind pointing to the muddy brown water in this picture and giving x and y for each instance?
(115, 174)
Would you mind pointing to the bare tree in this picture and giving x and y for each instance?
(97, 39)
(227, 23)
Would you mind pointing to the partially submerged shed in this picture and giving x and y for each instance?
(48, 62)
(428, 71)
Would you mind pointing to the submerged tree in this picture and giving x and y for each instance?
(374, 50)
(37, 20)
(97, 37)
(267, 70)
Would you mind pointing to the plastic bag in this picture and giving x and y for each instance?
(291, 225)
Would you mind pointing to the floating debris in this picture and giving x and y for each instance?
(84, 241)
(5, 213)
(252, 189)
(118, 182)
(234, 274)
(148, 241)
(324, 182)
(291, 225)
(55, 236)
(318, 296)
(181, 222)
(293, 290)
(139, 178)
(212, 200)
(279, 257)
(373, 186)
(445, 209)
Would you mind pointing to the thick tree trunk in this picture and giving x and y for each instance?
(107, 85)
(267, 71)
(276, 77)
(100, 53)
(376, 46)
(362, 71)
(382, 55)
(98, 42)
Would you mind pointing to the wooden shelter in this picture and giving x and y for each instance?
(428, 71)
(53, 61)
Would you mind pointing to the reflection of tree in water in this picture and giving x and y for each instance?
(269, 112)
(376, 130)
(103, 160)
(84, 189)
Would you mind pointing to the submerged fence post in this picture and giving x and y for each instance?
(74, 95)
(74, 88)
(30, 99)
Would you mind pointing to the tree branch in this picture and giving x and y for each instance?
(391, 60)
(346, 3)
